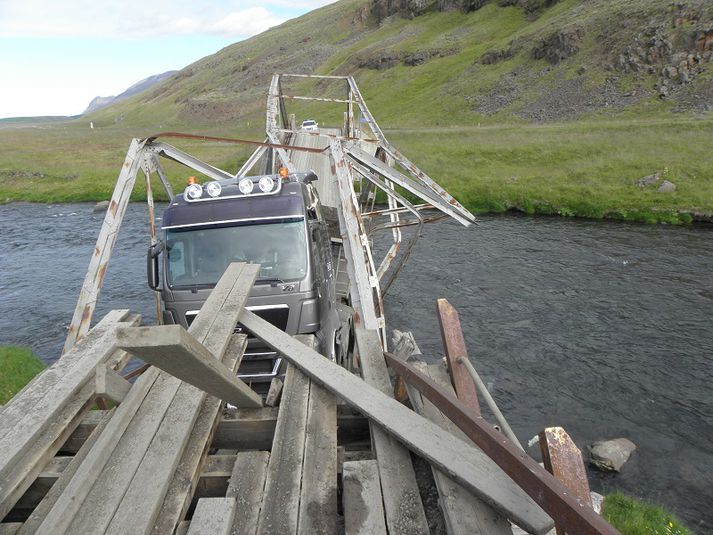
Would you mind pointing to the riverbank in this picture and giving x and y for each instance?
(590, 168)
(18, 365)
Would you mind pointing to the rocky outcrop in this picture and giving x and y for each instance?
(382, 9)
(610, 455)
(558, 46)
(667, 187)
(649, 180)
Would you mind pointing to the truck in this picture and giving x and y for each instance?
(274, 220)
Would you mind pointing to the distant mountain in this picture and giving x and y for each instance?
(98, 103)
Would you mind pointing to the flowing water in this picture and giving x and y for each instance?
(603, 328)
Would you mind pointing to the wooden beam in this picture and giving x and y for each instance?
(273, 394)
(402, 500)
(172, 349)
(454, 346)
(110, 385)
(247, 484)
(318, 493)
(464, 513)
(363, 507)
(459, 460)
(213, 516)
(280, 505)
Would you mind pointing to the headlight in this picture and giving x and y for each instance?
(266, 184)
(194, 191)
(213, 189)
(245, 186)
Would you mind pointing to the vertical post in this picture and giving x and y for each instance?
(454, 346)
(93, 280)
(152, 232)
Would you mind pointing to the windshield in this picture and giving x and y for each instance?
(200, 256)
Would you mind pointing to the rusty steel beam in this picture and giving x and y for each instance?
(296, 97)
(576, 516)
(94, 279)
(562, 459)
(454, 347)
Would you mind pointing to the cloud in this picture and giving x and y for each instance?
(134, 19)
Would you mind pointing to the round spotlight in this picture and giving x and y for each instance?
(194, 191)
(213, 189)
(245, 186)
(266, 184)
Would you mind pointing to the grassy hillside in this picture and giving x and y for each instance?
(558, 109)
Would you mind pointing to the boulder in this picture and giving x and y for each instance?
(101, 206)
(610, 455)
(649, 180)
(667, 187)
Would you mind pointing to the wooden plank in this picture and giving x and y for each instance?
(463, 513)
(318, 495)
(145, 496)
(112, 482)
(61, 514)
(28, 413)
(10, 528)
(153, 447)
(273, 394)
(246, 485)
(402, 500)
(213, 516)
(173, 349)
(185, 479)
(38, 452)
(562, 459)
(110, 385)
(64, 468)
(363, 508)
(454, 346)
(466, 464)
(279, 513)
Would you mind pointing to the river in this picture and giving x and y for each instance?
(602, 328)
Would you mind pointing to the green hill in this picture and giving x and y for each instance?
(537, 105)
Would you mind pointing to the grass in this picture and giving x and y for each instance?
(491, 163)
(18, 366)
(632, 517)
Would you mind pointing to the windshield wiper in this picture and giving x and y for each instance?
(271, 282)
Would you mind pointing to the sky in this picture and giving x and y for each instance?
(56, 56)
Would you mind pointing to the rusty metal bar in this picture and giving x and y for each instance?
(234, 141)
(562, 459)
(164, 179)
(152, 227)
(556, 499)
(454, 347)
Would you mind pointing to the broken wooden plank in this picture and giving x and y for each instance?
(173, 349)
(280, 509)
(562, 459)
(402, 500)
(110, 385)
(213, 516)
(464, 463)
(318, 494)
(246, 485)
(454, 347)
(464, 513)
(363, 507)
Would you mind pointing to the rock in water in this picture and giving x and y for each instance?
(610, 455)
(101, 206)
(667, 187)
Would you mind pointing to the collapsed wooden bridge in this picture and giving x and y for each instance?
(190, 448)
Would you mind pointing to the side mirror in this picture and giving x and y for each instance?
(152, 272)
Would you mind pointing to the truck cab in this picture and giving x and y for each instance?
(271, 220)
